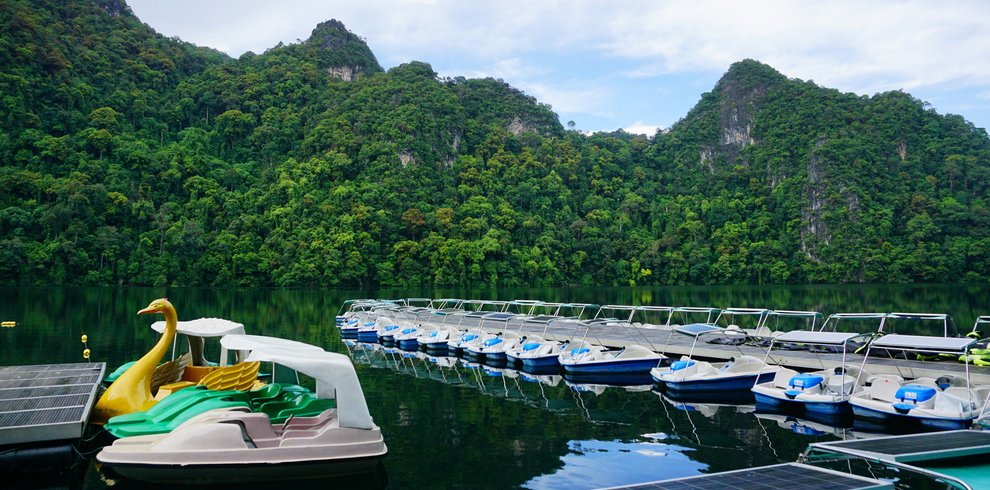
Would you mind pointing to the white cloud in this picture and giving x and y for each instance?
(851, 45)
(639, 127)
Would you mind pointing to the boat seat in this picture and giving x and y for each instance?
(842, 384)
(885, 390)
(783, 377)
(955, 400)
(314, 406)
(877, 378)
(268, 391)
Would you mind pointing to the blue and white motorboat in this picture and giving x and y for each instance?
(347, 310)
(493, 349)
(436, 339)
(596, 360)
(627, 360)
(947, 402)
(740, 372)
(687, 374)
(457, 346)
(349, 329)
(371, 331)
(538, 352)
(824, 392)
(407, 336)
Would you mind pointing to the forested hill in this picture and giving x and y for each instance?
(132, 158)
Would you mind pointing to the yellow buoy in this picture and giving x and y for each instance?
(8, 324)
(85, 353)
(84, 338)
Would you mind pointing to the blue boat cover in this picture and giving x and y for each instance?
(392, 327)
(406, 331)
(434, 333)
(491, 342)
(678, 365)
(915, 393)
(582, 350)
(530, 346)
(369, 324)
(805, 381)
(469, 336)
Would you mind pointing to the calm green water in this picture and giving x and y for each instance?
(453, 425)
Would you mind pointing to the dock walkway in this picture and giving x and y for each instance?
(676, 345)
(47, 402)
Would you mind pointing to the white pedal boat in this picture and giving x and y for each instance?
(824, 392)
(947, 402)
(687, 374)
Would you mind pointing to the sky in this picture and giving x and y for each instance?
(632, 65)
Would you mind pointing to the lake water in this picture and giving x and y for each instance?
(449, 424)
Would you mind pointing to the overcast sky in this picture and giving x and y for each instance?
(636, 65)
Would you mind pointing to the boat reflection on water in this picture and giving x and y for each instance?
(725, 397)
(624, 379)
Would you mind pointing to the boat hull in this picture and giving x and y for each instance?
(735, 383)
(409, 344)
(367, 336)
(813, 407)
(243, 473)
(894, 419)
(621, 366)
(541, 362)
(349, 333)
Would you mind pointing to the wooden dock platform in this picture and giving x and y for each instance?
(47, 402)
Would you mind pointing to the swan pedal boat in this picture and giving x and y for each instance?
(687, 374)
(228, 446)
(825, 392)
(946, 403)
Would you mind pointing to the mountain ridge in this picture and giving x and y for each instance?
(131, 158)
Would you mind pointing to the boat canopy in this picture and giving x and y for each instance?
(697, 329)
(918, 316)
(497, 316)
(252, 342)
(796, 313)
(203, 327)
(334, 373)
(745, 311)
(814, 337)
(857, 316)
(925, 343)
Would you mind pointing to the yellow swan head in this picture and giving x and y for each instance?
(159, 305)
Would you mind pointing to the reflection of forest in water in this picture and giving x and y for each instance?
(553, 432)
(52, 319)
(449, 424)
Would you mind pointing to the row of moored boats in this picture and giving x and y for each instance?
(548, 337)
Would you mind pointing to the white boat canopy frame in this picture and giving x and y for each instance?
(202, 328)
(334, 373)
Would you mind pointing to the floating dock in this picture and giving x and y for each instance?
(786, 476)
(914, 447)
(46, 402)
(676, 345)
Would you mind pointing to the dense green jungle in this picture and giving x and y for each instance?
(131, 158)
